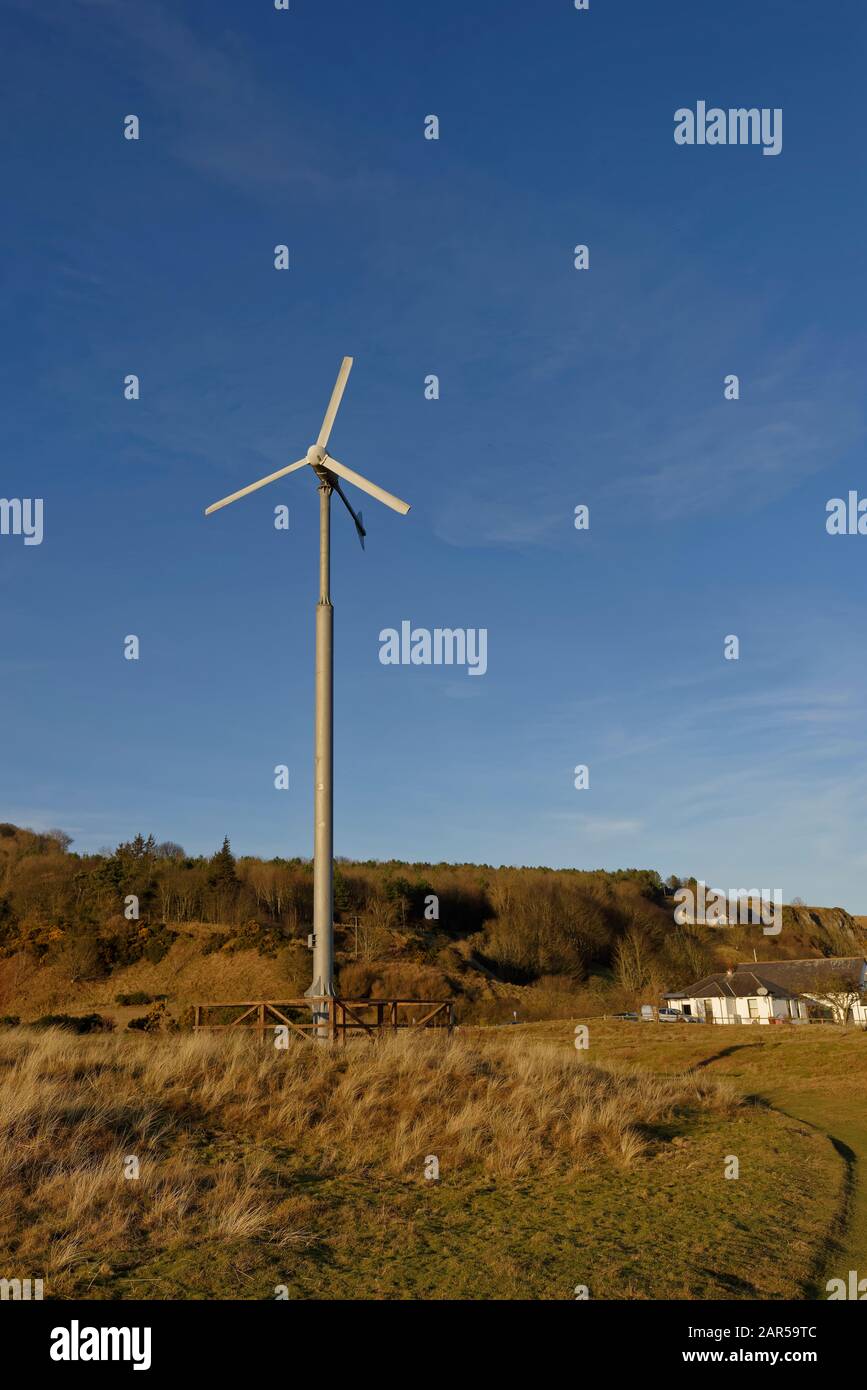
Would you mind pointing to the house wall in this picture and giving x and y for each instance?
(677, 1005)
(791, 1010)
(737, 1011)
(802, 1011)
(762, 1012)
(721, 1008)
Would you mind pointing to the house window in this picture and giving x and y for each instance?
(753, 1006)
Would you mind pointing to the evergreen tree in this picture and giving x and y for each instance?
(222, 873)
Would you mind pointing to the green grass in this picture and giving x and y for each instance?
(815, 1074)
(668, 1227)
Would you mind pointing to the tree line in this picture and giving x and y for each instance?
(112, 907)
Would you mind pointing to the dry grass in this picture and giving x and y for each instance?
(306, 1167)
(225, 1130)
(69, 1103)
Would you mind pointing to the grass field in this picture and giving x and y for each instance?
(306, 1169)
(817, 1075)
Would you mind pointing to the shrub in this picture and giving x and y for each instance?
(84, 1023)
(295, 966)
(159, 944)
(214, 941)
(82, 958)
(157, 1021)
(265, 938)
(357, 980)
(138, 996)
(393, 980)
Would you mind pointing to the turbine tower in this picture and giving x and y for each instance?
(329, 472)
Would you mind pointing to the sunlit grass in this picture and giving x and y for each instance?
(306, 1168)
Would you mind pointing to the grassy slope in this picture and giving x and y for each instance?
(817, 1075)
(553, 1173)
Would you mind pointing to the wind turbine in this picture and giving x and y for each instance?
(328, 471)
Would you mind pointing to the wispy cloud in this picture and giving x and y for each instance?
(472, 517)
(605, 827)
(222, 119)
(758, 454)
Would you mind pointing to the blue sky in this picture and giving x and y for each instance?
(558, 387)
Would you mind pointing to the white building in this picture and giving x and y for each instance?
(738, 996)
(836, 985)
(789, 991)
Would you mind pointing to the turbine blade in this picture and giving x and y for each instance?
(356, 516)
(242, 492)
(334, 403)
(374, 491)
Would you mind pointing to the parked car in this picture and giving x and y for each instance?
(633, 1018)
(691, 1018)
(669, 1015)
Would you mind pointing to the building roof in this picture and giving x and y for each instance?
(781, 979)
(743, 984)
(800, 974)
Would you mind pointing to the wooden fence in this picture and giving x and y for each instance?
(339, 1018)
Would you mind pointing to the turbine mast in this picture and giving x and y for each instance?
(323, 777)
(328, 471)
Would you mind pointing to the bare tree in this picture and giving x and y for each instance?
(832, 987)
(375, 925)
(691, 950)
(632, 960)
(169, 849)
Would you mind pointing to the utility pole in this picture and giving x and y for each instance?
(323, 778)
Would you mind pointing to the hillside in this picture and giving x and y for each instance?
(77, 931)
